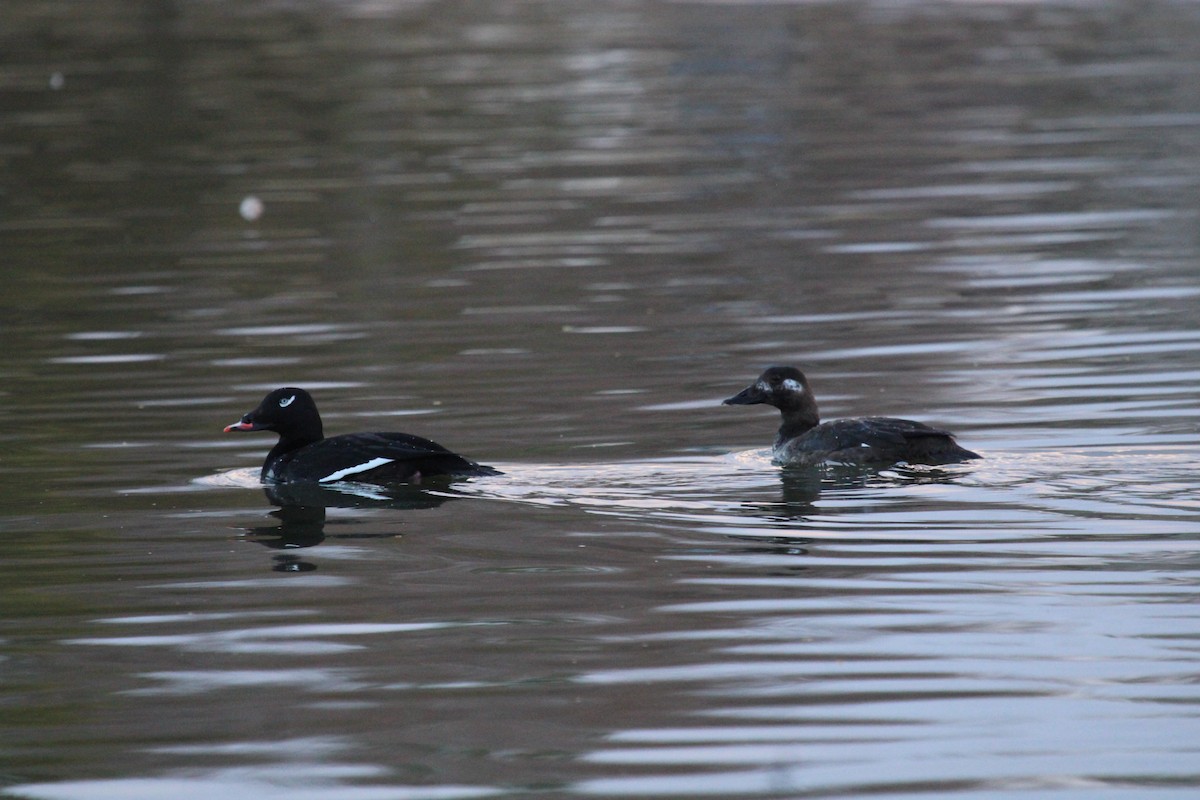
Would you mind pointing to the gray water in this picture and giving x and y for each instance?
(553, 236)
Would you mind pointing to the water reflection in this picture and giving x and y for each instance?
(303, 508)
(742, 496)
(300, 526)
(801, 488)
(430, 493)
(559, 232)
(775, 508)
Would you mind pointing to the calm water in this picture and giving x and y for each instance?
(553, 236)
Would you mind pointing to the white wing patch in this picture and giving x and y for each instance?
(357, 468)
(287, 401)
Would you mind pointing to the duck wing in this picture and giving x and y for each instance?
(873, 440)
(375, 458)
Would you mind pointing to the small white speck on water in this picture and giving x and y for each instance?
(251, 208)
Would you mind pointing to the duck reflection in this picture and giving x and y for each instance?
(799, 490)
(801, 487)
(302, 513)
(851, 493)
(403, 496)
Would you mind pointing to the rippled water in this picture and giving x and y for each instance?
(553, 236)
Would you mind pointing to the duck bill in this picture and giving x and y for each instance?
(242, 425)
(749, 396)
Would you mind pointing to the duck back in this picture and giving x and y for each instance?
(871, 440)
(371, 458)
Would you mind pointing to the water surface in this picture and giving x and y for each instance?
(553, 236)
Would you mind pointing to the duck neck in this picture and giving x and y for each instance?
(287, 444)
(796, 422)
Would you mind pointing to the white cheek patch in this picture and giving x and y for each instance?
(763, 386)
(793, 385)
(357, 468)
(287, 401)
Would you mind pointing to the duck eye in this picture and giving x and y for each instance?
(287, 401)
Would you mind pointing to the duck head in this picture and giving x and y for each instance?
(289, 411)
(786, 389)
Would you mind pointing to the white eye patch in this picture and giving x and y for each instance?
(287, 401)
(789, 385)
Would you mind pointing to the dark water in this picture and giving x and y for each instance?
(552, 236)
